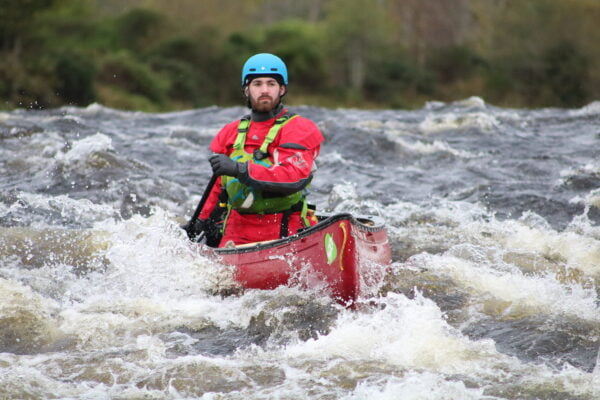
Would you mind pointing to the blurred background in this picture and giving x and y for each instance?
(155, 55)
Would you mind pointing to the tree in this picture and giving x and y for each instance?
(566, 73)
(427, 25)
(15, 17)
(354, 28)
(288, 40)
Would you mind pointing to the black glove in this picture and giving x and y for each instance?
(195, 228)
(223, 165)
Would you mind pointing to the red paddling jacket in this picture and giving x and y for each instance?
(284, 172)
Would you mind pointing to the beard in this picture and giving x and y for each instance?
(263, 103)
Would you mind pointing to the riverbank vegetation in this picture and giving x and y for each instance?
(152, 55)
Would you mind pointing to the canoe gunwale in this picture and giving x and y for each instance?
(377, 225)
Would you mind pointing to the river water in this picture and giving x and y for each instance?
(493, 216)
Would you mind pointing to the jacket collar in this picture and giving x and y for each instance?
(261, 116)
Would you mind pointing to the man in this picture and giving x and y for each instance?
(265, 161)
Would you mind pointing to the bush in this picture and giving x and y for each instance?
(183, 82)
(75, 79)
(26, 85)
(454, 63)
(566, 71)
(124, 71)
(15, 17)
(297, 43)
(178, 48)
(139, 28)
(392, 75)
(115, 97)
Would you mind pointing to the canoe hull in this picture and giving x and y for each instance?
(338, 253)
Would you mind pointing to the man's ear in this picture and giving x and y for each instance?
(246, 90)
(282, 90)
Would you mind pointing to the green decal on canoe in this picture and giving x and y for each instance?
(330, 248)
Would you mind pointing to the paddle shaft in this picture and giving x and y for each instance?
(209, 187)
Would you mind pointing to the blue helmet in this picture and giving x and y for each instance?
(264, 64)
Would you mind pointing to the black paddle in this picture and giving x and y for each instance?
(198, 237)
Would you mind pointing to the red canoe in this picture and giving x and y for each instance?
(341, 251)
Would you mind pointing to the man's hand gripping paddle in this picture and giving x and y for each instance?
(195, 228)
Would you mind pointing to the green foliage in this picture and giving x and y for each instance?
(139, 28)
(151, 55)
(350, 38)
(122, 99)
(455, 63)
(176, 59)
(395, 77)
(124, 71)
(15, 16)
(499, 84)
(75, 79)
(297, 42)
(566, 71)
(179, 48)
(184, 84)
(20, 87)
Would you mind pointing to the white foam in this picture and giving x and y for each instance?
(461, 222)
(406, 333)
(512, 293)
(437, 146)
(414, 386)
(97, 109)
(593, 198)
(82, 210)
(25, 314)
(344, 197)
(81, 149)
(164, 242)
(153, 271)
(25, 379)
(577, 251)
(336, 159)
(413, 338)
(390, 126)
(472, 102)
(434, 105)
(92, 109)
(478, 245)
(435, 123)
(343, 191)
(592, 168)
(591, 109)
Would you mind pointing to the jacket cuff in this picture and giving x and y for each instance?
(243, 172)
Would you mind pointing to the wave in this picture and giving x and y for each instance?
(482, 122)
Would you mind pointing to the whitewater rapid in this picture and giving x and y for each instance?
(493, 216)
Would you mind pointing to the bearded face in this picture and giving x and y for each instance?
(264, 93)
